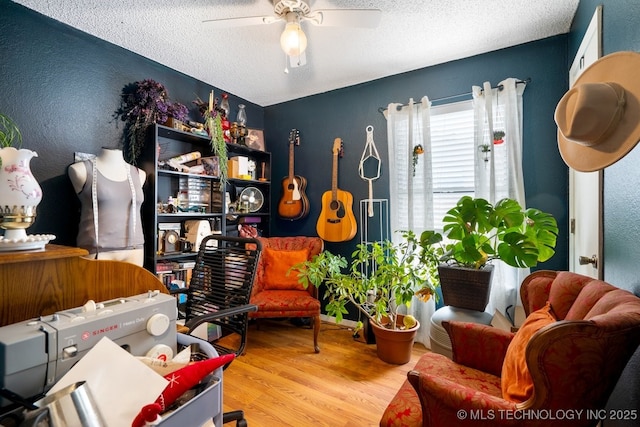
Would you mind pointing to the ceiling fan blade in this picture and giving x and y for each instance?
(364, 18)
(242, 22)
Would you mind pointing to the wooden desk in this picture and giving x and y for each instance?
(41, 282)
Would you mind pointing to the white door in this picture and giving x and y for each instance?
(585, 188)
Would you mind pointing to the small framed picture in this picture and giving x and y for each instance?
(255, 139)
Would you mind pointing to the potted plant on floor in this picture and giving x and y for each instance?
(478, 233)
(381, 278)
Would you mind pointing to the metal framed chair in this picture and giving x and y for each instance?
(219, 292)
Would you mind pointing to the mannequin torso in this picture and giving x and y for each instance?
(110, 195)
(111, 165)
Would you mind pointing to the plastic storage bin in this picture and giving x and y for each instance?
(205, 406)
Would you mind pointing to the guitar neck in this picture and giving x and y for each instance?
(334, 178)
(290, 162)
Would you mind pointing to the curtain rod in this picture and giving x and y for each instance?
(499, 87)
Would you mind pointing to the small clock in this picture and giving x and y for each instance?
(171, 241)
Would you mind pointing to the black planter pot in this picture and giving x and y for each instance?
(465, 287)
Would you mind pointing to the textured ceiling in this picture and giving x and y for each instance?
(248, 61)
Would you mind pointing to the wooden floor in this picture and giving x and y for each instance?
(281, 382)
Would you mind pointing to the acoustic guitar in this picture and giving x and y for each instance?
(294, 203)
(336, 222)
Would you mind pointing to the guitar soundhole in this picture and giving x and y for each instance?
(291, 186)
(338, 206)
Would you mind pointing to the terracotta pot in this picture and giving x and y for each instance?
(394, 345)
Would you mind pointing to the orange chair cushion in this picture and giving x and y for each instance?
(517, 385)
(277, 265)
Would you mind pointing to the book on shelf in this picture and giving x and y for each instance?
(183, 265)
(164, 267)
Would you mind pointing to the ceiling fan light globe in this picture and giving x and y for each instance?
(293, 40)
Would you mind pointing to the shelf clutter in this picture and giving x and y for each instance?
(192, 200)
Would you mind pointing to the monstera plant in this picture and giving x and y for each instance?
(476, 233)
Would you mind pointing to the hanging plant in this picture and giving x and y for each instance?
(485, 149)
(498, 136)
(144, 103)
(417, 150)
(213, 125)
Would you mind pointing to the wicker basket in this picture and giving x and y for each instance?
(465, 287)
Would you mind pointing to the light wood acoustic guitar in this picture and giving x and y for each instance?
(336, 222)
(294, 203)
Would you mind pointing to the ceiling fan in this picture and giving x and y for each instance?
(293, 40)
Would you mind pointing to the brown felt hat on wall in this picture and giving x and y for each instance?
(599, 117)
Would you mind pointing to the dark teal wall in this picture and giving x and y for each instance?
(620, 31)
(345, 113)
(62, 87)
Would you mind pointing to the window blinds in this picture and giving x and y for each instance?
(454, 154)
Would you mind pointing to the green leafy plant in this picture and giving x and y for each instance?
(10, 135)
(381, 278)
(478, 232)
(485, 149)
(213, 125)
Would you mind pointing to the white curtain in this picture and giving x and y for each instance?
(411, 188)
(502, 106)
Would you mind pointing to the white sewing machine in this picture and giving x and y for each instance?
(36, 353)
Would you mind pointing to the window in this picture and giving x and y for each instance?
(423, 188)
(454, 153)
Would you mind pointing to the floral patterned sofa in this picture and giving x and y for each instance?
(557, 370)
(277, 293)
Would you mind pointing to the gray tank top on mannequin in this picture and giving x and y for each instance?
(115, 222)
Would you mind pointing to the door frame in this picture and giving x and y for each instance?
(593, 34)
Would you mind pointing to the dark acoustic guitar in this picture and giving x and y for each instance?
(294, 203)
(336, 222)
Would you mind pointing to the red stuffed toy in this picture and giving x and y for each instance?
(179, 382)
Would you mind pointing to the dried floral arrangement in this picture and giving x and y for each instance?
(144, 103)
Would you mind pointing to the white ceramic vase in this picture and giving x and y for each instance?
(20, 193)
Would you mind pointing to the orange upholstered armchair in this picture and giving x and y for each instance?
(557, 370)
(278, 294)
